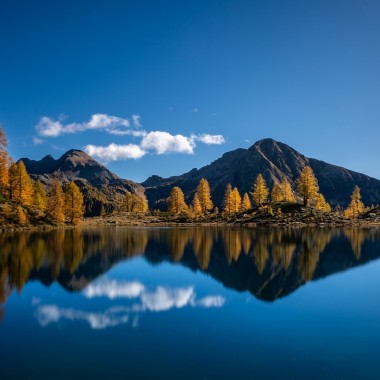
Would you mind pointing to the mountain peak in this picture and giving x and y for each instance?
(76, 154)
(73, 164)
(265, 141)
(275, 161)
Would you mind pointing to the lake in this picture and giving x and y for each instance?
(190, 303)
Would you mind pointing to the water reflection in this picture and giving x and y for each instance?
(159, 300)
(268, 263)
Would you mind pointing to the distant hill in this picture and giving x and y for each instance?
(101, 187)
(274, 160)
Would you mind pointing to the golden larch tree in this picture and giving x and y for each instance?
(176, 202)
(356, 206)
(21, 215)
(245, 203)
(260, 191)
(134, 203)
(235, 200)
(204, 195)
(39, 196)
(321, 203)
(227, 201)
(128, 202)
(287, 192)
(307, 185)
(21, 185)
(4, 173)
(56, 202)
(276, 194)
(196, 206)
(140, 204)
(74, 209)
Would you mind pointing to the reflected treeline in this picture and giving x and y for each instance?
(268, 263)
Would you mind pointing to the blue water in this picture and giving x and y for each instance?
(203, 303)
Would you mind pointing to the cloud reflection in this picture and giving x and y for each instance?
(159, 300)
(47, 314)
(114, 289)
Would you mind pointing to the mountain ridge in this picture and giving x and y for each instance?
(101, 187)
(273, 159)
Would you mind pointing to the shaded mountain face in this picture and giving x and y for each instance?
(101, 188)
(274, 160)
(269, 264)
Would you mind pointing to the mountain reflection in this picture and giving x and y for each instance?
(268, 263)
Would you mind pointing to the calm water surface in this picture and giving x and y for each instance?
(191, 303)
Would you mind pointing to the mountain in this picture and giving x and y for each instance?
(101, 188)
(274, 160)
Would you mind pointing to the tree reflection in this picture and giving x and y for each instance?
(202, 240)
(356, 237)
(76, 257)
(232, 244)
(312, 245)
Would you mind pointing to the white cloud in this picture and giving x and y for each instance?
(211, 301)
(195, 110)
(210, 139)
(159, 142)
(47, 314)
(49, 127)
(164, 142)
(136, 120)
(37, 140)
(165, 299)
(114, 289)
(115, 152)
(160, 300)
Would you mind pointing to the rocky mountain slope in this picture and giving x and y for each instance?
(274, 160)
(101, 187)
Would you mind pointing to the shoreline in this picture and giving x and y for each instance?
(142, 220)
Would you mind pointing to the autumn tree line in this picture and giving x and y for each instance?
(60, 204)
(66, 204)
(260, 196)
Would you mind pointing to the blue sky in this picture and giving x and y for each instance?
(160, 87)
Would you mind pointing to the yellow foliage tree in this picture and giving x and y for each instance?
(307, 185)
(260, 191)
(322, 204)
(196, 207)
(356, 206)
(276, 194)
(227, 202)
(142, 204)
(287, 191)
(128, 202)
(56, 202)
(245, 203)
(4, 173)
(39, 196)
(204, 195)
(177, 204)
(74, 209)
(21, 185)
(135, 203)
(21, 215)
(235, 200)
